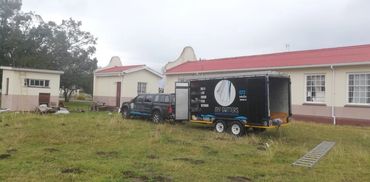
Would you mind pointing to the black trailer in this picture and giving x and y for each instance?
(235, 102)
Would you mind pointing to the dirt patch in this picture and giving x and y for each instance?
(11, 151)
(238, 179)
(221, 138)
(4, 156)
(192, 161)
(134, 177)
(74, 170)
(110, 154)
(241, 155)
(162, 179)
(209, 150)
(51, 150)
(128, 174)
(142, 178)
(152, 156)
(177, 142)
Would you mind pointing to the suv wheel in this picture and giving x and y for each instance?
(156, 117)
(125, 114)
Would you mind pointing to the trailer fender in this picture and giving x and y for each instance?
(242, 119)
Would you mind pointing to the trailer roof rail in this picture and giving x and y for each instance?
(233, 75)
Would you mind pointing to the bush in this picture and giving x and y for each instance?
(80, 97)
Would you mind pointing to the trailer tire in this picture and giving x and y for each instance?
(156, 117)
(125, 114)
(220, 126)
(237, 128)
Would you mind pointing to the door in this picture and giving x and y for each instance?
(118, 94)
(44, 98)
(182, 100)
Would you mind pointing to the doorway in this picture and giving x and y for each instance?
(118, 94)
(44, 98)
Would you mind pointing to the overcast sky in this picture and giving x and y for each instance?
(154, 32)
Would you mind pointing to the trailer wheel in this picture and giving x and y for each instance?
(237, 129)
(125, 114)
(220, 126)
(156, 117)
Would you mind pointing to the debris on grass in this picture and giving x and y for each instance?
(6, 125)
(11, 150)
(238, 179)
(4, 110)
(4, 156)
(192, 161)
(74, 170)
(62, 110)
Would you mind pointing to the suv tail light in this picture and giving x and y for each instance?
(169, 109)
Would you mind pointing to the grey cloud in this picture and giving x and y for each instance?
(154, 32)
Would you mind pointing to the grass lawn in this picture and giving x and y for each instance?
(103, 147)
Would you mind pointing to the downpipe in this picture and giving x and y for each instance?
(333, 95)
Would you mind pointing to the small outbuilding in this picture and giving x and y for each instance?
(23, 89)
(116, 83)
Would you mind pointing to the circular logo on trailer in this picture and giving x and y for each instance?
(225, 92)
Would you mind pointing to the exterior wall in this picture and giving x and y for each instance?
(105, 86)
(335, 94)
(130, 83)
(23, 98)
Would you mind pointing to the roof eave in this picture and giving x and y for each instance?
(273, 68)
(32, 70)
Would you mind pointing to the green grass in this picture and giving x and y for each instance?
(78, 105)
(103, 147)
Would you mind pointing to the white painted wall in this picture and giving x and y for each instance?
(105, 87)
(16, 83)
(298, 83)
(131, 80)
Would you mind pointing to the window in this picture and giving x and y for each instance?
(315, 88)
(359, 88)
(141, 88)
(140, 98)
(167, 99)
(36, 83)
(148, 98)
(156, 98)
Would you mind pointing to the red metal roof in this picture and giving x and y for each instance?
(328, 56)
(118, 68)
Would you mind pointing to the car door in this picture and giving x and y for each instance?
(148, 104)
(137, 105)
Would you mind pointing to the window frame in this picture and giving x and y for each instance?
(28, 83)
(305, 88)
(347, 89)
(139, 87)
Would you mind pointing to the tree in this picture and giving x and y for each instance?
(27, 41)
